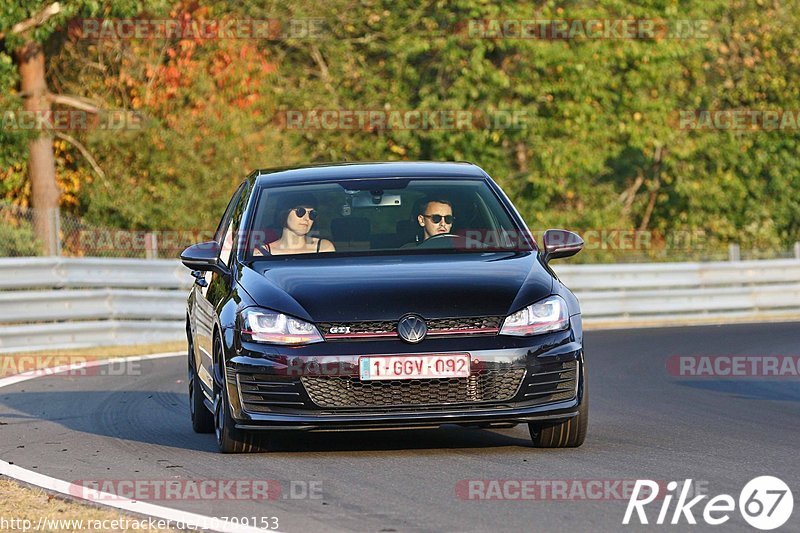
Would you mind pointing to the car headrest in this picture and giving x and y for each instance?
(407, 230)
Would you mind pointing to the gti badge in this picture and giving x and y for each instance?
(339, 329)
(412, 328)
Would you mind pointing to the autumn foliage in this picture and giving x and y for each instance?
(599, 147)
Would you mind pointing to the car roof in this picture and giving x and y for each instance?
(389, 169)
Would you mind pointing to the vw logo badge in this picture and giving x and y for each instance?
(412, 328)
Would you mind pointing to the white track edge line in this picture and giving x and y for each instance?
(102, 498)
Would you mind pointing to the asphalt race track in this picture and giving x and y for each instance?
(645, 423)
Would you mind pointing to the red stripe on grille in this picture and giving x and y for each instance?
(359, 335)
(460, 331)
(485, 331)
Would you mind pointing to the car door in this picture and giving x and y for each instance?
(207, 296)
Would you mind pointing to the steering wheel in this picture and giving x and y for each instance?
(441, 240)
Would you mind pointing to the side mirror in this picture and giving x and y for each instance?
(560, 243)
(204, 257)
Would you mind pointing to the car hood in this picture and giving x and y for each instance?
(349, 289)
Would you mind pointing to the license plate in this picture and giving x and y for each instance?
(414, 366)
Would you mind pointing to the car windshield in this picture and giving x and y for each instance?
(406, 216)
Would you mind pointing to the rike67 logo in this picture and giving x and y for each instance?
(765, 503)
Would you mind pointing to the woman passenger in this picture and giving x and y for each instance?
(297, 218)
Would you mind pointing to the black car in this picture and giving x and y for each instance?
(381, 295)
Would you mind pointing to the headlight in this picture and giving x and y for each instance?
(546, 315)
(262, 325)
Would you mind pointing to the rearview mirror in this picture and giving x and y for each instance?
(560, 243)
(204, 257)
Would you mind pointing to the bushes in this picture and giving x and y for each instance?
(17, 240)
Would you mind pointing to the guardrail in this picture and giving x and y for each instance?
(679, 293)
(60, 272)
(57, 303)
(49, 303)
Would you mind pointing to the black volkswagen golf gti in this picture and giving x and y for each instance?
(381, 295)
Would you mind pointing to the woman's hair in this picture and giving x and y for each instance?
(292, 201)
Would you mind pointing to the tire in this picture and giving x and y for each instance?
(202, 418)
(568, 433)
(230, 439)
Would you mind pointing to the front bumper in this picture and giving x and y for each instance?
(268, 386)
(409, 420)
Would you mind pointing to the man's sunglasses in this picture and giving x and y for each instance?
(448, 219)
(301, 212)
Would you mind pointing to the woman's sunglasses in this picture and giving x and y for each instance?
(448, 219)
(301, 212)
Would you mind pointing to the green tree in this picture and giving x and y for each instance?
(24, 26)
(600, 147)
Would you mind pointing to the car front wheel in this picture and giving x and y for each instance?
(230, 439)
(569, 433)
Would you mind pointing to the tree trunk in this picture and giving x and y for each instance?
(41, 161)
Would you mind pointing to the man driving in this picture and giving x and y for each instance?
(436, 217)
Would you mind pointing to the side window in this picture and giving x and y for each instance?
(227, 245)
(224, 235)
(236, 227)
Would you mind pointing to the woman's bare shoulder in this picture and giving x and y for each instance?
(324, 245)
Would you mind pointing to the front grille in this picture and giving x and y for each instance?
(483, 386)
(374, 328)
(553, 382)
(481, 322)
(388, 328)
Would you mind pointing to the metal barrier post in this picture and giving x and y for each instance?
(734, 253)
(151, 245)
(56, 225)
